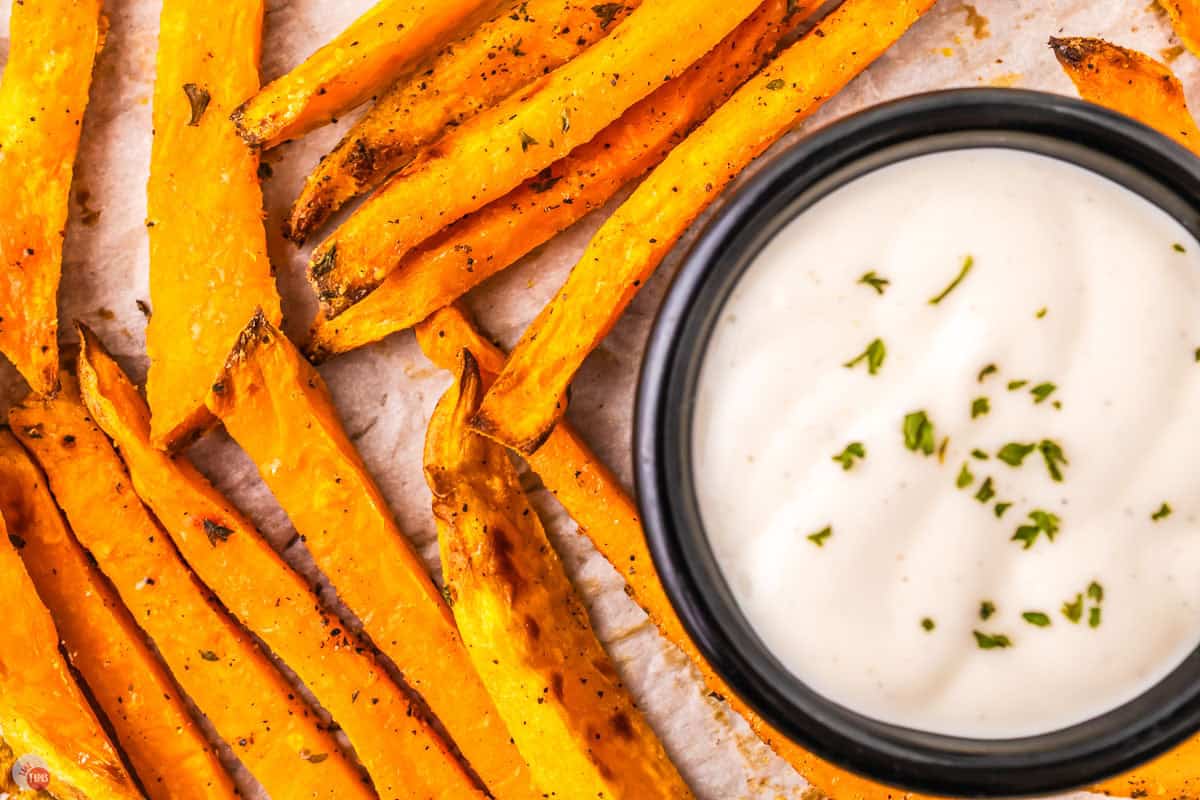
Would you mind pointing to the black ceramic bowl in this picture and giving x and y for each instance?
(1109, 144)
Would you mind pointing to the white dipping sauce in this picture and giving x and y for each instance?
(908, 549)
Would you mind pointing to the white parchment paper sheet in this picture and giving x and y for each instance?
(386, 392)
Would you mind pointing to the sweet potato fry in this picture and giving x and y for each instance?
(467, 76)
(42, 100)
(252, 706)
(405, 757)
(495, 151)
(277, 408)
(525, 627)
(529, 395)
(1129, 82)
(131, 686)
(1185, 19)
(377, 48)
(607, 515)
(42, 710)
(209, 269)
(485, 242)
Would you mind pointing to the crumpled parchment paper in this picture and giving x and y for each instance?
(386, 392)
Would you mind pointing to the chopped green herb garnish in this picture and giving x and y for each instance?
(776, 84)
(986, 492)
(965, 478)
(942, 449)
(1041, 312)
(313, 758)
(988, 641)
(986, 609)
(1074, 610)
(918, 432)
(1001, 508)
(979, 407)
(876, 282)
(1036, 618)
(566, 120)
(977, 453)
(1094, 617)
(1014, 385)
(1053, 455)
(527, 141)
(873, 355)
(820, 536)
(209, 655)
(1163, 512)
(1043, 522)
(853, 450)
(1178, 248)
(1014, 453)
(1196, 355)
(1096, 592)
(988, 370)
(1042, 391)
(968, 262)
(928, 624)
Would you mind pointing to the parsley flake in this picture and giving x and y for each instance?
(1014, 453)
(1042, 391)
(988, 641)
(977, 453)
(918, 433)
(965, 478)
(209, 655)
(1044, 522)
(820, 536)
(1000, 508)
(527, 141)
(979, 407)
(216, 532)
(1073, 610)
(874, 355)
(1163, 512)
(928, 624)
(1178, 248)
(876, 282)
(1036, 618)
(1094, 617)
(986, 492)
(1095, 592)
(1014, 385)
(1053, 455)
(986, 609)
(968, 262)
(846, 457)
(988, 370)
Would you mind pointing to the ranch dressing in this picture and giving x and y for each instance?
(898, 539)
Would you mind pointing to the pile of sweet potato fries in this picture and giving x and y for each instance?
(495, 125)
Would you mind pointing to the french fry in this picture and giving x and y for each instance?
(378, 47)
(405, 757)
(495, 151)
(42, 710)
(529, 395)
(1185, 19)
(525, 627)
(252, 706)
(209, 269)
(467, 76)
(42, 99)
(593, 497)
(277, 408)
(130, 685)
(1129, 82)
(485, 242)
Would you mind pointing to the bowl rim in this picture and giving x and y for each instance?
(783, 185)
